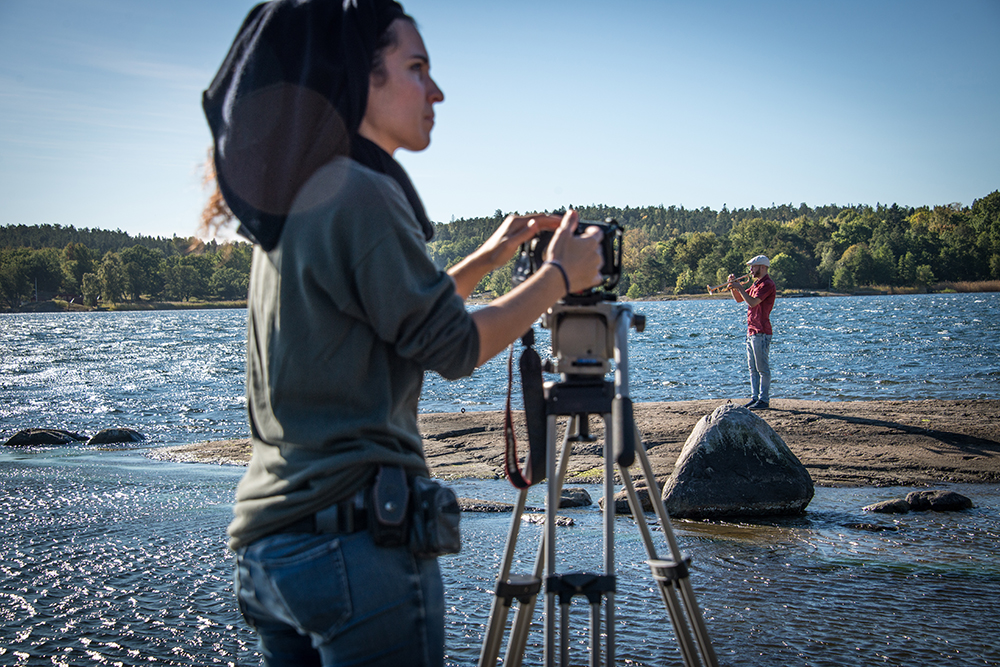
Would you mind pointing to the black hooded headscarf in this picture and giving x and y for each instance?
(289, 98)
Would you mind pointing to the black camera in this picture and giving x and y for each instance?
(533, 256)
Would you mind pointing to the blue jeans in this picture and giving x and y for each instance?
(758, 348)
(337, 599)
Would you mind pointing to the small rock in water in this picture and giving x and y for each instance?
(872, 527)
(575, 497)
(115, 435)
(473, 505)
(43, 436)
(938, 501)
(894, 506)
(921, 501)
(621, 501)
(540, 519)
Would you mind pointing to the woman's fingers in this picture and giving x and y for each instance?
(579, 254)
(523, 228)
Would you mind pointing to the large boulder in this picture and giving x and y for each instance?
(734, 465)
(31, 437)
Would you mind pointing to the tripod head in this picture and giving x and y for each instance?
(585, 336)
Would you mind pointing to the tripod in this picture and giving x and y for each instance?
(585, 336)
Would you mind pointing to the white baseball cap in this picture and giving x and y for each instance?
(759, 259)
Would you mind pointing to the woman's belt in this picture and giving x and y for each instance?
(347, 516)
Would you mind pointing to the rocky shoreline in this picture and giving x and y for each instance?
(849, 443)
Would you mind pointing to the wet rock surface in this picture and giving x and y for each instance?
(735, 465)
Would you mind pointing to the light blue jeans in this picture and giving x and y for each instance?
(336, 599)
(758, 349)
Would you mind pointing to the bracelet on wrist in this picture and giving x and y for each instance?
(562, 271)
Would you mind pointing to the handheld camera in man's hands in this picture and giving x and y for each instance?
(533, 256)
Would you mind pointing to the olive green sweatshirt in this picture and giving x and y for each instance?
(345, 315)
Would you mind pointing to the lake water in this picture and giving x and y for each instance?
(110, 557)
(178, 376)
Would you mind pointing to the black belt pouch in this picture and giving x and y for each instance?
(436, 515)
(388, 507)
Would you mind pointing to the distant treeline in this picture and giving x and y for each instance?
(95, 266)
(676, 250)
(665, 250)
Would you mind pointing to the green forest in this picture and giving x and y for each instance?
(671, 250)
(666, 251)
(92, 267)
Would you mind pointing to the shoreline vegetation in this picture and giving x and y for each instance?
(665, 252)
(61, 305)
(841, 444)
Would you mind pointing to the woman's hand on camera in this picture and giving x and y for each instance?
(579, 261)
(579, 255)
(499, 248)
(513, 231)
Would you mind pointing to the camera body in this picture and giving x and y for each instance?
(533, 256)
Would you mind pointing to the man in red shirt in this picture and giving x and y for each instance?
(760, 299)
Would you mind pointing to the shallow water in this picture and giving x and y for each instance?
(835, 587)
(110, 557)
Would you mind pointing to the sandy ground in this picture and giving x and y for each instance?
(865, 443)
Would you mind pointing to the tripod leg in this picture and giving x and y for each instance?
(525, 610)
(564, 634)
(684, 584)
(551, 507)
(500, 607)
(609, 535)
(667, 592)
(595, 635)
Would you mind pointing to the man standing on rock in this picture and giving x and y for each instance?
(760, 299)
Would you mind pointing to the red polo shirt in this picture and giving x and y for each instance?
(759, 317)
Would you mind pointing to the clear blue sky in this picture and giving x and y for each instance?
(548, 103)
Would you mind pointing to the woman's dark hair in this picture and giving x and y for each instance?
(387, 41)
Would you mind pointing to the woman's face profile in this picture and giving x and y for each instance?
(400, 111)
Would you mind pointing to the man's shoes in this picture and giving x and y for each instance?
(750, 404)
(760, 405)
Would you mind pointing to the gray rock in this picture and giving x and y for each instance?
(894, 506)
(115, 435)
(733, 464)
(575, 497)
(539, 519)
(474, 505)
(937, 501)
(870, 527)
(621, 501)
(43, 436)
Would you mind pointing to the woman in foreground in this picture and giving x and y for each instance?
(346, 312)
